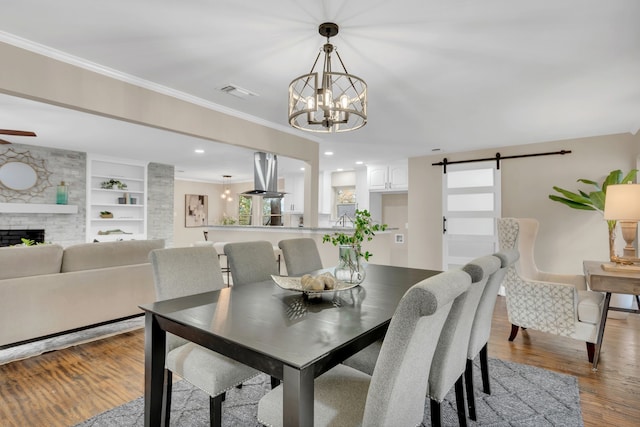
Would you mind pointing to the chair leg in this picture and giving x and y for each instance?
(468, 382)
(274, 382)
(484, 369)
(436, 414)
(168, 388)
(591, 350)
(215, 410)
(462, 410)
(514, 332)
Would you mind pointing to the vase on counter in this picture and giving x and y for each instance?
(350, 267)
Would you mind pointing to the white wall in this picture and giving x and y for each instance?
(566, 237)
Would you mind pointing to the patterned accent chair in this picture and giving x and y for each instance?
(555, 303)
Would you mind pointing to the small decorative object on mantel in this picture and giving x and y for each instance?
(108, 185)
(106, 214)
(595, 200)
(62, 193)
(350, 267)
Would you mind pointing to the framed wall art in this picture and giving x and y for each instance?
(196, 210)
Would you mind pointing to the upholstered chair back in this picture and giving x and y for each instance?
(300, 255)
(251, 262)
(450, 359)
(481, 327)
(400, 377)
(179, 272)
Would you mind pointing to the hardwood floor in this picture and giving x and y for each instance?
(65, 387)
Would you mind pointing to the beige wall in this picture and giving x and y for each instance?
(30, 75)
(395, 214)
(566, 236)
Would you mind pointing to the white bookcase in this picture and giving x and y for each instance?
(129, 214)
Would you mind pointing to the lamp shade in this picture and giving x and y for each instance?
(622, 202)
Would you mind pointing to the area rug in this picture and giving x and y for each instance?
(521, 396)
(59, 342)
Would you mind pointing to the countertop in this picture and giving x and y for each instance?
(310, 230)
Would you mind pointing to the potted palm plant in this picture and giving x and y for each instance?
(350, 267)
(594, 200)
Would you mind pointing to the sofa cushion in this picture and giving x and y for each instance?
(89, 256)
(23, 261)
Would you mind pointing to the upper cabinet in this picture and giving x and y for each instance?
(116, 199)
(389, 177)
(294, 197)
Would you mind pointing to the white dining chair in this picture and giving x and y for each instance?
(251, 262)
(179, 272)
(300, 255)
(481, 328)
(449, 360)
(394, 394)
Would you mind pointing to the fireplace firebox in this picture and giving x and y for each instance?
(14, 237)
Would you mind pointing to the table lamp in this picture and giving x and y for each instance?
(622, 203)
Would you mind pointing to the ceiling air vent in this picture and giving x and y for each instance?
(237, 91)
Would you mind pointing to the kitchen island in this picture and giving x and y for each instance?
(381, 246)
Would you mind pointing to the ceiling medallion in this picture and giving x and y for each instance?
(332, 102)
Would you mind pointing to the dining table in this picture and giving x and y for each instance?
(283, 333)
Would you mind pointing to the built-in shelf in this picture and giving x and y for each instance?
(37, 208)
(130, 217)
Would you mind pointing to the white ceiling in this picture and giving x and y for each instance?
(451, 75)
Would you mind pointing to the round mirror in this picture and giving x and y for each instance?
(18, 176)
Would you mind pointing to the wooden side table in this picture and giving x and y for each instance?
(618, 282)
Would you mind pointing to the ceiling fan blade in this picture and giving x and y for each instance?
(16, 132)
(2, 141)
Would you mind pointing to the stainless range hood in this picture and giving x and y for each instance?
(265, 176)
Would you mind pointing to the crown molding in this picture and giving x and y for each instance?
(146, 84)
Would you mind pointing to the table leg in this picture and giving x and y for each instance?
(297, 396)
(154, 359)
(603, 321)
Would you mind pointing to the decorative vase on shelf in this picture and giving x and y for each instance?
(350, 267)
(62, 193)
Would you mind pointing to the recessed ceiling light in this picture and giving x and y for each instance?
(199, 150)
(328, 153)
(301, 169)
(359, 162)
(339, 169)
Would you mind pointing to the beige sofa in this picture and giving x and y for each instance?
(48, 289)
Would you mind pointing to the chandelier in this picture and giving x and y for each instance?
(226, 193)
(332, 102)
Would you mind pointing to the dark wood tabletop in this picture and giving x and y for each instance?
(277, 331)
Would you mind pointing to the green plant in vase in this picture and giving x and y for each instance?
(350, 268)
(108, 185)
(594, 200)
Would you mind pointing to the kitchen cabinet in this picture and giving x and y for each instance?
(389, 177)
(294, 197)
(118, 212)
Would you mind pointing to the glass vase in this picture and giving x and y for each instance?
(62, 194)
(350, 267)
